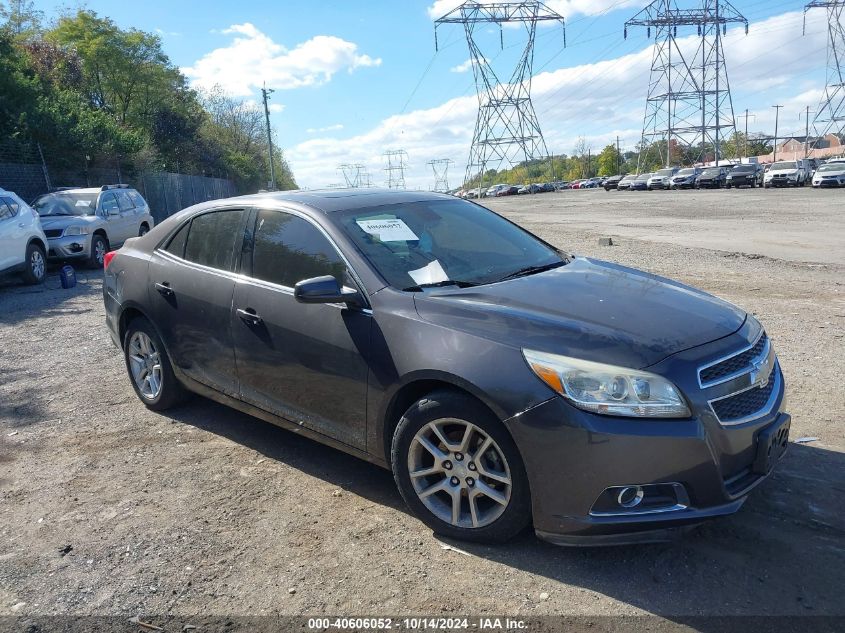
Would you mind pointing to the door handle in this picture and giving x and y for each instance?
(249, 316)
(164, 289)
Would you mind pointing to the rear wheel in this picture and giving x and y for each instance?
(35, 270)
(459, 470)
(143, 230)
(149, 367)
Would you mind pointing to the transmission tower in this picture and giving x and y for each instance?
(353, 175)
(689, 107)
(397, 161)
(440, 167)
(830, 115)
(506, 129)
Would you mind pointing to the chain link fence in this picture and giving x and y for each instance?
(24, 170)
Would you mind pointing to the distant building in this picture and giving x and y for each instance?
(793, 148)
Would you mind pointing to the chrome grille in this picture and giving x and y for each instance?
(740, 406)
(734, 365)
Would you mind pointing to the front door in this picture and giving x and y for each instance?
(191, 288)
(303, 362)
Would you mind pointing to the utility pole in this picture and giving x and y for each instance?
(746, 130)
(775, 145)
(618, 155)
(265, 92)
(807, 132)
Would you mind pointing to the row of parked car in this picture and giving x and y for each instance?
(790, 173)
(69, 223)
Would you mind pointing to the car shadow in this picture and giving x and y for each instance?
(19, 301)
(782, 554)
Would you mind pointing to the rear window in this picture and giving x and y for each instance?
(212, 238)
(124, 201)
(177, 242)
(5, 210)
(136, 198)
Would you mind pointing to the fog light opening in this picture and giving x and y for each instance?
(630, 496)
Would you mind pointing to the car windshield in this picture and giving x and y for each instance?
(629, 178)
(784, 165)
(664, 172)
(66, 204)
(685, 172)
(714, 171)
(740, 168)
(644, 177)
(444, 242)
(832, 167)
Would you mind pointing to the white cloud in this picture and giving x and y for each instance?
(252, 58)
(328, 128)
(462, 67)
(598, 100)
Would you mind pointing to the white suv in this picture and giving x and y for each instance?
(23, 246)
(785, 173)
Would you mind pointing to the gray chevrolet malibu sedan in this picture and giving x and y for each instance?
(503, 381)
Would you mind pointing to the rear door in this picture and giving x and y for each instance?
(303, 362)
(128, 216)
(191, 285)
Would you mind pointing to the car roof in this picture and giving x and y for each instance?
(332, 200)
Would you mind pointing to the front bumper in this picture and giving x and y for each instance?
(828, 183)
(740, 182)
(782, 182)
(69, 247)
(572, 457)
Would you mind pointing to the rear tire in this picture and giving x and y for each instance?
(474, 487)
(35, 271)
(149, 368)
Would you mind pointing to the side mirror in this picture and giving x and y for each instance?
(326, 289)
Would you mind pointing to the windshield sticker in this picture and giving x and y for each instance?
(431, 274)
(81, 203)
(388, 230)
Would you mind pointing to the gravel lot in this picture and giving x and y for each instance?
(108, 508)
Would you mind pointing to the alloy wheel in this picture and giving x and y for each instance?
(99, 251)
(145, 365)
(459, 473)
(36, 264)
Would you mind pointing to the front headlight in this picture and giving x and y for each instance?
(76, 230)
(608, 389)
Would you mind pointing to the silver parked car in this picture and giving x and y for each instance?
(87, 223)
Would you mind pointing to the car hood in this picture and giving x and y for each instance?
(588, 309)
(64, 221)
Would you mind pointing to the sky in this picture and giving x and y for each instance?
(353, 79)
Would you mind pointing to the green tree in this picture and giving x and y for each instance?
(608, 161)
(21, 18)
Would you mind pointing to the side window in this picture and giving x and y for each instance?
(136, 198)
(109, 203)
(124, 201)
(5, 211)
(176, 246)
(13, 205)
(212, 238)
(288, 249)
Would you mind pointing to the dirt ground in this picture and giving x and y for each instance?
(108, 508)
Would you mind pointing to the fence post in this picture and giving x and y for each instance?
(44, 168)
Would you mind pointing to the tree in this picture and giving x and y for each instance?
(21, 18)
(608, 161)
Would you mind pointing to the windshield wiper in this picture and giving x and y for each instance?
(440, 284)
(530, 270)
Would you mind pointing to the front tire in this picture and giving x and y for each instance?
(459, 470)
(35, 271)
(99, 248)
(149, 368)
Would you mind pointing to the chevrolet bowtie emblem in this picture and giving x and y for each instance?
(761, 370)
